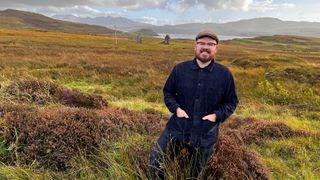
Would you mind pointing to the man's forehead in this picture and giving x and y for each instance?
(206, 39)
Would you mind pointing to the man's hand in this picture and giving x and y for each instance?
(210, 117)
(181, 113)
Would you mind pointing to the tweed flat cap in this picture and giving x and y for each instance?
(207, 33)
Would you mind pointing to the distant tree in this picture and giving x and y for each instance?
(139, 39)
(167, 39)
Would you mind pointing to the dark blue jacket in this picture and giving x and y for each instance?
(199, 91)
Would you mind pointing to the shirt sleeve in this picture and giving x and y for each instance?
(230, 101)
(169, 91)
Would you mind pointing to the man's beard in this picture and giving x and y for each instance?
(204, 55)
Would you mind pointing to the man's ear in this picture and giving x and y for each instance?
(195, 46)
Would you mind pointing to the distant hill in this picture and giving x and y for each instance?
(121, 23)
(265, 26)
(250, 27)
(14, 19)
(147, 32)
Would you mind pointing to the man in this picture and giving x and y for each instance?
(201, 95)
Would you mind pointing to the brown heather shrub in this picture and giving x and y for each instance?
(232, 161)
(227, 161)
(52, 137)
(236, 123)
(249, 130)
(56, 134)
(259, 131)
(132, 121)
(6, 107)
(75, 98)
(254, 168)
(40, 92)
(31, 90)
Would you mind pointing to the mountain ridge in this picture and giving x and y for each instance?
(16, 19)
(261, 26)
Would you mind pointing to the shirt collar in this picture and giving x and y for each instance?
(194, 65)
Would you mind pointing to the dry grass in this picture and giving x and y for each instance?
(271, 73)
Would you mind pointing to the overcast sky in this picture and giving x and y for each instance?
(161, 12)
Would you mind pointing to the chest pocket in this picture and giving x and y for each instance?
(185, 86)
(215, 94)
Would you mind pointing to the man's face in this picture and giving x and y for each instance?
(205, 49)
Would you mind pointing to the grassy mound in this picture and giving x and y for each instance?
(250, 130)
(53, 136)
(41, 92)
(300, 75)
(233, 161)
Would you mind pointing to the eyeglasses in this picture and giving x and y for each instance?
(210, 44)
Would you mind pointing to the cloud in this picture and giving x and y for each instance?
(130, 4)
(79, 11)
(154, 20)
(268, 5)
(93, 8)
(215, 4)
(175, 5)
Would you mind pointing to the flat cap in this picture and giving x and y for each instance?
(207, 33)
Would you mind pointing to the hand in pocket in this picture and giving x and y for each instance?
(181, 113)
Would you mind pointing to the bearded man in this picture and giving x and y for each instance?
(201, 94)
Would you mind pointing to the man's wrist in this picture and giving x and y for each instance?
(217, 116)
(173, 108)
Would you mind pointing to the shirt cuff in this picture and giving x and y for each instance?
(173, 108)
(218, 115)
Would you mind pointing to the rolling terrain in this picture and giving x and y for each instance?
(15, 19)
(59, 78)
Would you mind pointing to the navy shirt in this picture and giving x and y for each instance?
(199, 91)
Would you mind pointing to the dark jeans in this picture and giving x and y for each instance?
(168, 147)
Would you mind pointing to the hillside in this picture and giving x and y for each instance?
(104, 25)
(120, 23)
(147, 32)
(250, 27)
(14, 19)
(246, 27)
(103, 101)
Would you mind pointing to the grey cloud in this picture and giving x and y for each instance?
(180, 5)
(62, 3)
(215, 4)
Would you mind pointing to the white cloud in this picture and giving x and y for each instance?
(154, 20)
(177, 5)
(267, 5)
(79, 11)
(215, 4)
(130, 4)
(94, 8)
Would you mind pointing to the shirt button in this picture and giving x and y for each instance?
(201, 70)
(199, 84)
